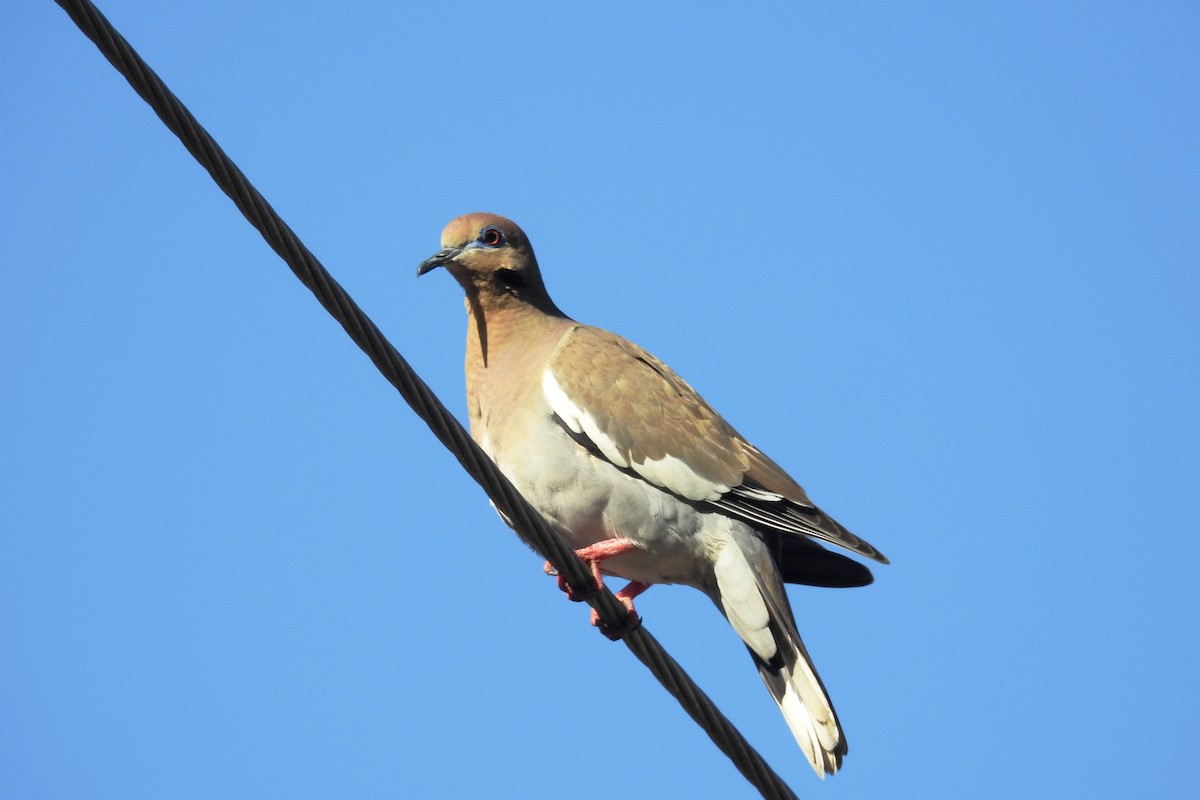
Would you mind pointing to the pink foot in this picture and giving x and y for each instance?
(594, 554)
(626, 595)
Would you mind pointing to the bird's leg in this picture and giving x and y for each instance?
(594, 554)
(626, 595)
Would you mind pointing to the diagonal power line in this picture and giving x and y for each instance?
(420, 397)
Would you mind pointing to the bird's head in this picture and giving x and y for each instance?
(491, 257)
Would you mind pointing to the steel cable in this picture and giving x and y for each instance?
(420, 397)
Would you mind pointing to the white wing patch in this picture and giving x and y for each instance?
(579, 421)
(761, 495)
(668, 472)
(672, 473)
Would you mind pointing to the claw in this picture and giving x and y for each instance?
(626, 595)
(594, 554)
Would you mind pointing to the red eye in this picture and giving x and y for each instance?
(492, 237)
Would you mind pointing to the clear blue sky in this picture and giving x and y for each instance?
(939, 260)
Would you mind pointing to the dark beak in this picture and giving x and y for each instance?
(438, 259)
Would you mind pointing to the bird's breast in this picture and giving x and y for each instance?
(587, 500)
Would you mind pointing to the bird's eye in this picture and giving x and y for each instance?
(492, 237)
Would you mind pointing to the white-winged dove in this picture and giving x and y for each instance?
(631, 467)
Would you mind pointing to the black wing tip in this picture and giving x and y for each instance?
(843, 576)
(803, 561)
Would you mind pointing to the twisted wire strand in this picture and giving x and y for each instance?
(528, 523)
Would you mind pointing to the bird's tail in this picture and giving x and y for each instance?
(750, 593)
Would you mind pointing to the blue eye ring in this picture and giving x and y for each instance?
(491, 237)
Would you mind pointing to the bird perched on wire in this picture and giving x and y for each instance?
(638, 473)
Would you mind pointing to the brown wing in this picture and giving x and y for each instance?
(633, 410)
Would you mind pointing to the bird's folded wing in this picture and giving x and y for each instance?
(629, 408)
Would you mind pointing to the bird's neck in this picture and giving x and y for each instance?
(507, 350)
(502, 327)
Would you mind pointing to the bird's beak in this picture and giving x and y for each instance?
(438, 259)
